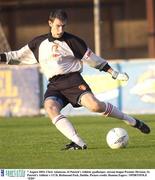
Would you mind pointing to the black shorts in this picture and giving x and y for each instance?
(68, 88)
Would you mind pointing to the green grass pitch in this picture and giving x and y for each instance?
(33, 142)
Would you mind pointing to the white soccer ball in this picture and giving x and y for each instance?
(117, 138)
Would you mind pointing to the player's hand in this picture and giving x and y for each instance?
(120, 76)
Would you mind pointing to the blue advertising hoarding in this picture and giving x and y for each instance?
(138, 96)
(19, 91)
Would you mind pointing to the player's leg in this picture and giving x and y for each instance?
(53, 106)
(88, 100)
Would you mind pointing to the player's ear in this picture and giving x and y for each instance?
(50, 23)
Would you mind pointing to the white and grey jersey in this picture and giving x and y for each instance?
(58, 56)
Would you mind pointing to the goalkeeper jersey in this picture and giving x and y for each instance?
(58, 56)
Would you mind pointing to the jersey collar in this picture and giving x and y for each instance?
(51, 38)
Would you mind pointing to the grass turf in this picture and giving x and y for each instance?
(33, 142)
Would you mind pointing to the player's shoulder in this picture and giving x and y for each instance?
(78, 45)
(37, 40)
(72, 37)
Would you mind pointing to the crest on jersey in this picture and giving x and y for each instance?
(82, 87)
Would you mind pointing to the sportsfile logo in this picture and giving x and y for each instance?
(2, 172)
(14, 173)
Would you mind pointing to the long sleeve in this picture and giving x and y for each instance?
(95, 61)
(23, 55)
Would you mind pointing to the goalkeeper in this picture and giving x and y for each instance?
(61, 55)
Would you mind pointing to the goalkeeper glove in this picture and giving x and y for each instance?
(120, 76)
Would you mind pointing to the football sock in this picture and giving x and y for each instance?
(114, 112)
(67, 129)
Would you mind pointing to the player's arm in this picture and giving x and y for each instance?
(23, 55)
(99, 63)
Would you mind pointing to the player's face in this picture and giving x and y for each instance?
(57, 27)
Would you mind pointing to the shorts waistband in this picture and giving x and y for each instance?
(62, 75)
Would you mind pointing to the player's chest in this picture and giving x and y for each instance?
(56, 50)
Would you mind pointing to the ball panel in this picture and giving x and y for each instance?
(117, 138)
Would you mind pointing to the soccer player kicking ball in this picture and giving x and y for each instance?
(61, 55)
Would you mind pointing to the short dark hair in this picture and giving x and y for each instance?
(59, 13)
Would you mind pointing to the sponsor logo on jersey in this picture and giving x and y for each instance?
(55, 51)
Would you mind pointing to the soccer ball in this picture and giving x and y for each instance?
(117, 138)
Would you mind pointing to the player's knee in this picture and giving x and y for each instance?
(50, 106)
